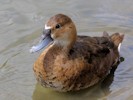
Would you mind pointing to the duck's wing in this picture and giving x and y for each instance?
(89, 47)
(98, 46)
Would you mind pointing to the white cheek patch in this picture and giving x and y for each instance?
(47, 27)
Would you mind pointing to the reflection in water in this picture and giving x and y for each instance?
(100, 90)
(109, 79)
(93, 92)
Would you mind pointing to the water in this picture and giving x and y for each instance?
(21, 23)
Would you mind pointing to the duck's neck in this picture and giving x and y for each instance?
(64, 45)
(60, 47)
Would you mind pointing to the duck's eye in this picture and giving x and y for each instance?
(58, 26)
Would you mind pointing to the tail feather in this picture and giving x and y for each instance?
(119, 47)
(117, 39)
(105, 34)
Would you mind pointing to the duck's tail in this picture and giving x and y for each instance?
(116, 38)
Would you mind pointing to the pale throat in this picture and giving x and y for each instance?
(64, 45)
(65, 41)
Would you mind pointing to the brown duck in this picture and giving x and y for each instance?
(70, 62)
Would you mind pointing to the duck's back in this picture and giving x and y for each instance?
(98, 46)
(99, 55)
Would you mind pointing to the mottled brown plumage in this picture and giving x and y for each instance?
(72, 62)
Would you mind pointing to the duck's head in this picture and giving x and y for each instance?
(60, 31)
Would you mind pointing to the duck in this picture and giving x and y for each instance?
(71, 62)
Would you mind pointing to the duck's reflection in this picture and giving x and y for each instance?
(109, 79)
(95, 92)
